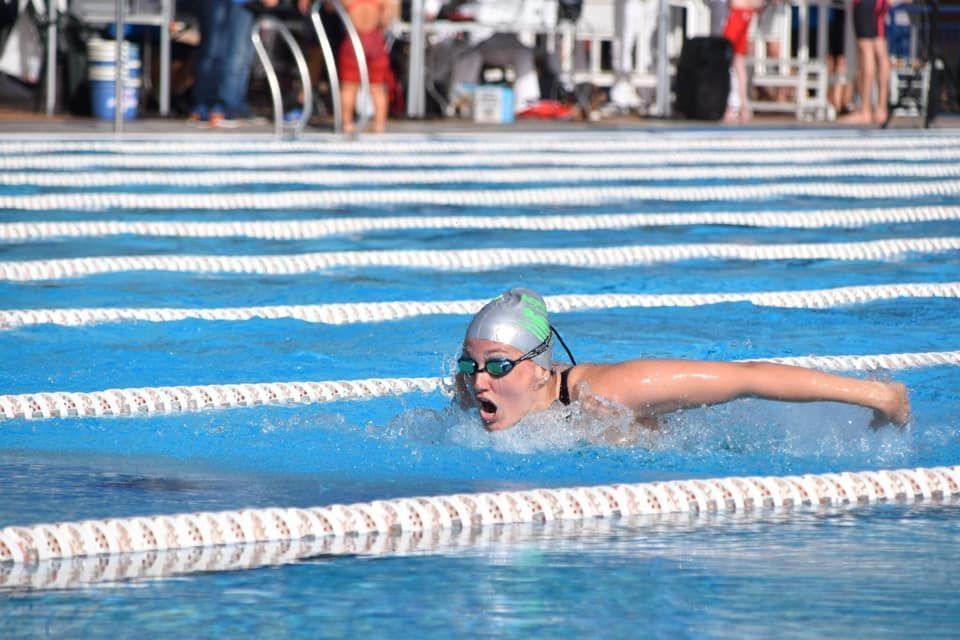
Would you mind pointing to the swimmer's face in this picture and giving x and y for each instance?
(503, 401)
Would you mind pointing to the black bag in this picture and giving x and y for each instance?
(8, 15)
(703, 77)
(938, 69)
(569, 10)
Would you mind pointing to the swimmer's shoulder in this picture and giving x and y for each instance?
(576, 376)
(605, 379)
(588, 378)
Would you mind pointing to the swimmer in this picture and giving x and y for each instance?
(506, 371)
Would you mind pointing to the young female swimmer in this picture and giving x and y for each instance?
(506, 371)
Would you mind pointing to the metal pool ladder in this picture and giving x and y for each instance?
(293, 129)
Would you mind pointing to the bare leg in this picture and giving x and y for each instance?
(833, 72)
(883, 81)
(839, 91)
(847, 93)
(780, 94)
(740, 77)
(733, 108)
(348, 103)
(740, 69)
(380, 107)
(864, 115)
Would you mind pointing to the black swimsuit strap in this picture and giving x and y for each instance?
(564, 389)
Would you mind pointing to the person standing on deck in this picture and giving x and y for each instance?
(869, 18)
(370, 18)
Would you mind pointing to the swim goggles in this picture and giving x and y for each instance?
(499, 367)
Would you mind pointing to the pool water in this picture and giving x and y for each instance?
(886, 570)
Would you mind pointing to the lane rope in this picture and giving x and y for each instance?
(308, 229)
(330, 527)
(470, 259)
(470, 197)
(359, 312)
(430, 158)
(144, 401)
(509, 175)
(555, 536)
(493, 143)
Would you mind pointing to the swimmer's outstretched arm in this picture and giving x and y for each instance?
(652, 387)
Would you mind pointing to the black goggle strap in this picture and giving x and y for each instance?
(537, 350)
(565, 348)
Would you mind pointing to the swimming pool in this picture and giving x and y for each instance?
(851, 236)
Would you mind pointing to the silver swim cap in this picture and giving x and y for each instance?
(518, 318)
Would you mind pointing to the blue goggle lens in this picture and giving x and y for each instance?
(497, 368)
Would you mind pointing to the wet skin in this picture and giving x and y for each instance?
(504, 401)
(654, 387)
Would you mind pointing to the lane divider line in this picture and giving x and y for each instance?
(326, 529)
(471, 197)
(296, 229)
(142, 401)
(262, 161)
(506, 175)
(359, 312)
(493, 143)
(493, 258)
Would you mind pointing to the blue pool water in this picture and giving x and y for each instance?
(879, 571)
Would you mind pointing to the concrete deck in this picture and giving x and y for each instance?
(16, 121)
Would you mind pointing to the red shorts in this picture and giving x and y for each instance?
(375, 53)
(737, 28)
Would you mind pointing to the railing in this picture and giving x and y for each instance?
(331, 63)
(280, 125)
(119, 70)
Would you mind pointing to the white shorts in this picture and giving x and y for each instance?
(773, 21)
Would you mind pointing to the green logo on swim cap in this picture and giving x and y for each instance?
(535, 317)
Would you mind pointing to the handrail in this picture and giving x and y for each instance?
(330, 61)
(119, 71)
(296, 128)
(361, 63)
(51, 76)
(416, 88)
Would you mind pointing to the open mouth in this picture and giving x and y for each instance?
(488, 411)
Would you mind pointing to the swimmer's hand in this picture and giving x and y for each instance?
(896, 408)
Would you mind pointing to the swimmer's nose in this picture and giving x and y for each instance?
(481, 381)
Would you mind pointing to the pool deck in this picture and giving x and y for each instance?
(16, 122)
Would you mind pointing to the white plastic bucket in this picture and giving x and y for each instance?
(101, 75)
